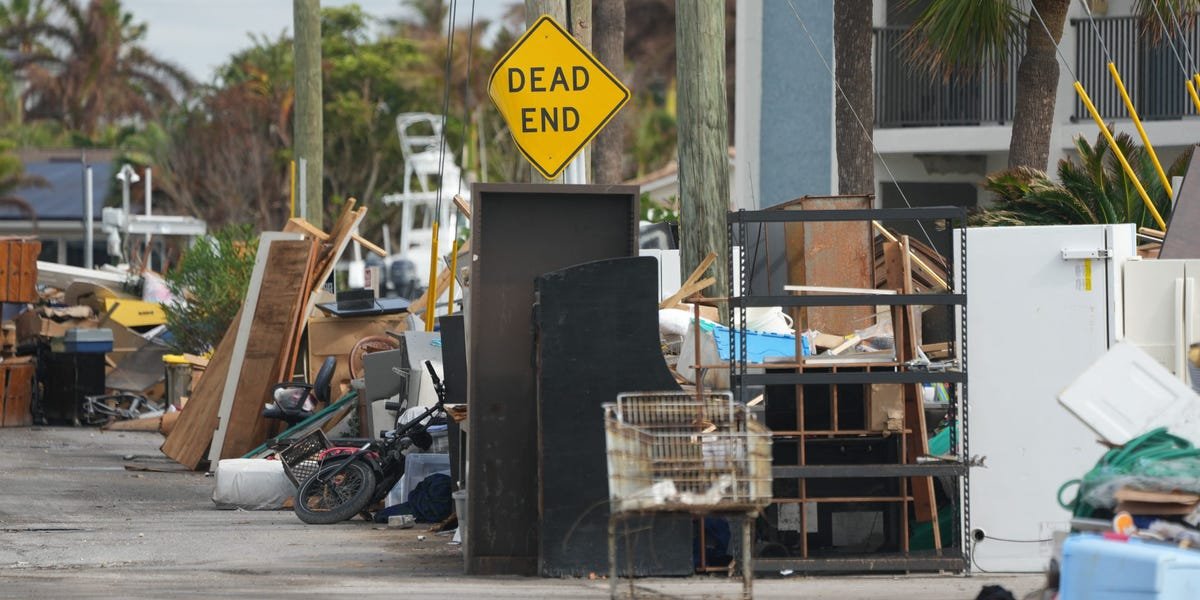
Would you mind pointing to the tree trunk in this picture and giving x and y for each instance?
(1037, 83)
(703, 137)
(608, 149)
(309, 126)
(852, 38)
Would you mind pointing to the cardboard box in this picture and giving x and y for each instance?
(336, 337)
(1138, 502)
(885, 407)
(32, 324)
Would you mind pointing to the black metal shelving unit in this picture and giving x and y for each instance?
(892, 478)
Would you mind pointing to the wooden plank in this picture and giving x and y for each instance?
(339, 239)
(14, 271)
(298, 225)
(269, 343)
(18, 393)
(6, 272)
(189, 441)
(29, 271)
(937, 278)
(368, 245)
(687, 288)
(462, 205)
(825, 289)
(900, 271)
(306, 292)
(266, 321)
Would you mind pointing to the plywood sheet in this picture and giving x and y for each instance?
(189, 441)
(18, 392)
(836, 254)
(268, 342)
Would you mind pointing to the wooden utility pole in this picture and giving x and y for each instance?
(576, 17)
(608, 149)
(309, 142)
(703, 136)
(852, 37)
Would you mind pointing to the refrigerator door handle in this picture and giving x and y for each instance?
(1189, 325)
(1179, 356)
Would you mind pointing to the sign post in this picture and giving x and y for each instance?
(554, 95)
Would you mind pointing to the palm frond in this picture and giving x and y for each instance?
(953, 36)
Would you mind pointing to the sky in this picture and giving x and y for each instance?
(199, 35)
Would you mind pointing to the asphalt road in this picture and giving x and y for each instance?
(75, 523)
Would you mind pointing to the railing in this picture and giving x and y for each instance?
(907, 96)
(1148, 67)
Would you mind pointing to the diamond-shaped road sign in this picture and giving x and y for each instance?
(554, 95)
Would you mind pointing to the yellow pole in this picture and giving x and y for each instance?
(1192, 92)
(1087, 101)
(453, 272)
(1197, 78)
(431, 297)
(292, 188)
(1162, 176)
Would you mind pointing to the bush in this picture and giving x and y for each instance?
(209, 286)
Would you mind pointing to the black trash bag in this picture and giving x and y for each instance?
(994, 592)
(429, 502)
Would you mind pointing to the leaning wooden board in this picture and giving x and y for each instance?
(18, 392)
(18, 269)
(189, 441)
(268, 343)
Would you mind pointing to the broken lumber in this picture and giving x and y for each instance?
(689, 285)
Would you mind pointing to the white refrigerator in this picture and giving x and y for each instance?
(1161, 310)
(1043, 303)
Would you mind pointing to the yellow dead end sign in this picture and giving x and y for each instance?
(554, 95)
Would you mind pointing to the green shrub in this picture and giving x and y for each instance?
(209, 286)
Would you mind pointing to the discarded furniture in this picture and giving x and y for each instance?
(829, 464)
(19, 269)
(289, 406)
(69, 378)
(288, 291)
(16, 392)
(518, 233)
(679, 452)
(1049, 296)
(597, 337)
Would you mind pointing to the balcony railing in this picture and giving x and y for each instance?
(907, 96)
(1149, 68)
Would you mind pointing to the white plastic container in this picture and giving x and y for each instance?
(460, 509)
(416, 468)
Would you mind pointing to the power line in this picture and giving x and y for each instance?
(437, 212)
(1057, 50)
(861, 125)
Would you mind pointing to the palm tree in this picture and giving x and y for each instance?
(954, 37)
(852, 47)
(93, 70)
(951, 37)
(1093, 190)
(19, 22)
(14, 178)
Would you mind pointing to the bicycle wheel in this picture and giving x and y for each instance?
(321, 502)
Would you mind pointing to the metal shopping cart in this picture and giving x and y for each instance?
(682, 452)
